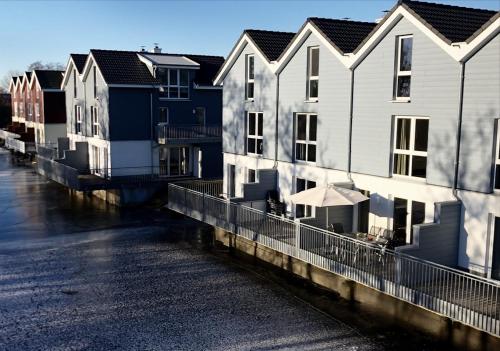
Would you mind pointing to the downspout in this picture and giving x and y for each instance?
(152, 134)
(277, 124)
(351, 113)
(459, 128)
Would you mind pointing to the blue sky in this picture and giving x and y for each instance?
(50, 30)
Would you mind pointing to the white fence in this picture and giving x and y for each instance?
(461, 296)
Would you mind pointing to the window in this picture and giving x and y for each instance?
(175, 83)
(174, 161)
(250, 78)
(16, 109)
(95, 82)
(163, 118)
(94, 116)
(410, 146)
(78, 119)
(37, 91)
(200, 115)
(403, 67)
(251, 176)
(305, 137)
(37, 111)
(497, 158)
(407, 213)
(312, 73)
(74, 84)
(30, 110)
(301, 185)
(254, 134)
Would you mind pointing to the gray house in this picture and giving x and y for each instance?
(405, 110)
(144, 113)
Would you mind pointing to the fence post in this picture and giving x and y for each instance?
(297, 239)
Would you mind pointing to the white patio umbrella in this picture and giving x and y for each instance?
(328, 196)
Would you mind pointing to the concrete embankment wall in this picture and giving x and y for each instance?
(458, 335)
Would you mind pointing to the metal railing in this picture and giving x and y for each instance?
(48, 150)
(210, 187)
(5, 134)
(167, 132)
(469, 299)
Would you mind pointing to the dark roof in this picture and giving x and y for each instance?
(79, 60)
(271, 43)
(28, 75)
(454, 23)
(125, 67)
(345, 35)
(209, 66)
(49, 79)
(122, 67)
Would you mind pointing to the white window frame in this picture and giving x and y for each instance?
(75, 89)
(411, 152)
(306, 142)
(309, 211)
(248, 175)
(166, 87)
(248, 79)
(166, 167)
(400, 73)
(166, 115)
(78, 119)
(37, 92)
(255, 136)
(16, 109)
(497, 157)
(94, 115)
(310, 76)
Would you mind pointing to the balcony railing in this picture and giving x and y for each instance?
(464, 297)
(194, 133)
(20, 146)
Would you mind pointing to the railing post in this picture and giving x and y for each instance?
(297, 239)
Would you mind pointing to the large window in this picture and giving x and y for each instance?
(174, 161)
(403, 67)
(95, 81)
(94, 115)
(251, 178)
(406, 214)
(301, 185)
(410, 146)
(312, 73)
(497, 158)
(305, 137)
(175, 83)
(254, 135)
(78, 119)
(37, 111)
(250, 77)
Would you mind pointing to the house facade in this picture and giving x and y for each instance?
(47, 112)
(138, 113)
(405, 110)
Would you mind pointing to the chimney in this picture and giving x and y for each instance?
(156, 49)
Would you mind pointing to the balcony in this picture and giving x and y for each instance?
(188, 134)
(460, 296)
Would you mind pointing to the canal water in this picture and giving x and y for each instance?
(77, 274)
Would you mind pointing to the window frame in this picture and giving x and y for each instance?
(249, 176)
(411, 152)
(398, 72)
(37, 111)
(95, 82)
(94, 117)
(78, 119)
(309, 211)
(249, 80)
(75, 91)
(255, 136)
(168, 86)
(305, 142)
(165, 164)
(496, 161)
(310, 76)
(166, 109)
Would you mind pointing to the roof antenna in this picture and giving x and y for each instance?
(346, 18)
(143, 48)
(385, 12)
(156, 49)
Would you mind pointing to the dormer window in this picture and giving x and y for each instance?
(312, 73)
(250, 77)
(175, 83)
(403, 67)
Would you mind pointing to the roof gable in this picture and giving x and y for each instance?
(453, 23)
(79, 61)
(48, 79)
(271, 43)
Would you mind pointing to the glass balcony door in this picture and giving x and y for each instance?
(175, 161)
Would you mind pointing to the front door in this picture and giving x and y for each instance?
(363, 212)
(400, 216)
(95, 160)
(495, 264)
